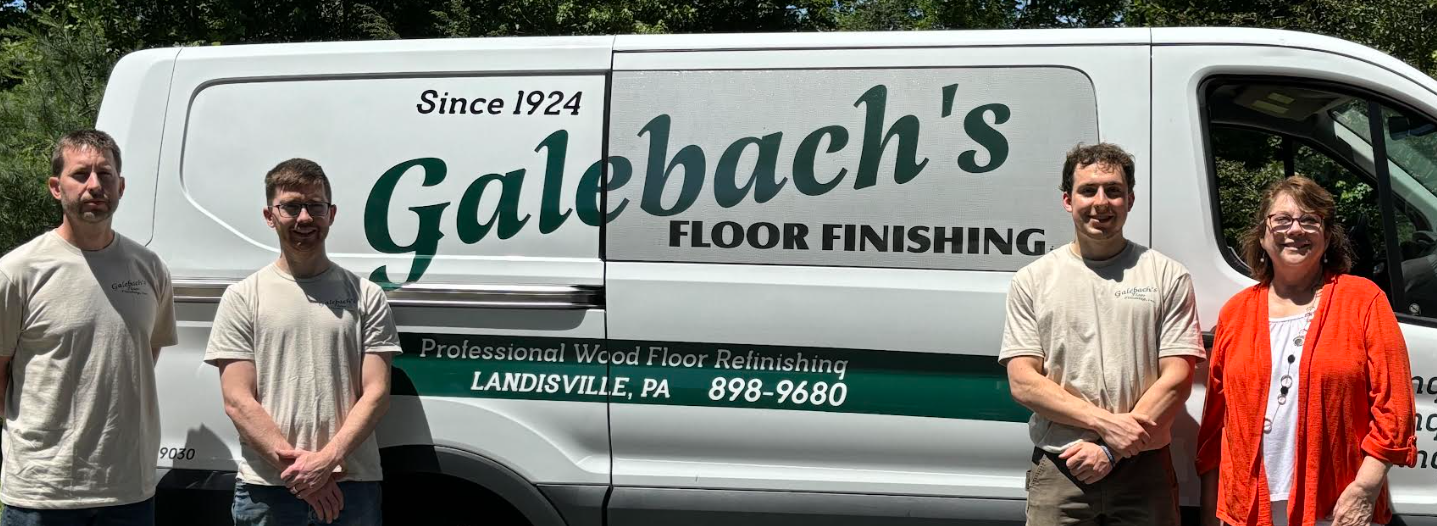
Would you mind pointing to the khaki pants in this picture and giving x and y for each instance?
(1139, 491)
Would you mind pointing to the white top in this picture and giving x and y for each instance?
(81, 412)
(1279, 447)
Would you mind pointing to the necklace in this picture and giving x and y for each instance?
(1285, 382)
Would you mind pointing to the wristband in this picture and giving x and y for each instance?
(1109, 453)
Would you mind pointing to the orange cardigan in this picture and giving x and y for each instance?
(1355, 392)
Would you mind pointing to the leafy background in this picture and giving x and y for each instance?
(55, 57)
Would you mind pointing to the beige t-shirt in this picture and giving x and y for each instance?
(307, 339)
(82, 424)
(1100, 328)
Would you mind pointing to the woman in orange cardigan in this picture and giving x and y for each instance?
(1309, 400)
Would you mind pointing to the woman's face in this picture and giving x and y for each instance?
(1295, 237)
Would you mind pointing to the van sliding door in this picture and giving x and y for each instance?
(808, 253)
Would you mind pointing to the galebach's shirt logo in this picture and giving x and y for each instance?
(339, 303)
(1136, 293)
(138, 287)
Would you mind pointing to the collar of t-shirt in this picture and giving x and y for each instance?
(67, 245)
(290, 277)
(1072, 251)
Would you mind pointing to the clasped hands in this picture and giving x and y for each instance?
(311, 476)
(1125, 435)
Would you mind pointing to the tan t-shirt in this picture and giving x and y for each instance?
(82, 426)
(307, 339)
(1100, 328)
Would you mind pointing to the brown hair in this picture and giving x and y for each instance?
(295, 173)
(81, 139)
(1103, 153)
(1309, 195)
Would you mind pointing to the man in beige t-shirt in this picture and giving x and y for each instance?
(84, 312)
(304, 348)
(1100, 342)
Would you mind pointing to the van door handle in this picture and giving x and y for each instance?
(562, 297)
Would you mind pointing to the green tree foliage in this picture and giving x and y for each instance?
(10, 15)
(893, 15)
(1071, 13)
(58, 64)
(1246, 162)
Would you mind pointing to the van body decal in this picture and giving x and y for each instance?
(706, 374)
(937, 168)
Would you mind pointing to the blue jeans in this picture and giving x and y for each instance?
(138, 514)
(257, 505)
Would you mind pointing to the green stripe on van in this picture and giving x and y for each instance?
(706, 374)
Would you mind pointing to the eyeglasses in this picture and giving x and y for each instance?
(1308, 222)
(291, 210)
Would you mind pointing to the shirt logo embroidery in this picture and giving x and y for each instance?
(138, 287)
(1137, 293)
(339, 304)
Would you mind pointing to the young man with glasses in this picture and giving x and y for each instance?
(304, 347)
(1100, 342)
(84, 312)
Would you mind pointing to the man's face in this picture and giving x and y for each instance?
(1100, 201)
(301, 217)
(88, 187)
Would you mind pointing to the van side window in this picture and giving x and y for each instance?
(1411, 150)
(1253, 150)
(1261, 130)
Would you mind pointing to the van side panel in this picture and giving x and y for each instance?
(456, 169)
(133, 112)
(783, 338)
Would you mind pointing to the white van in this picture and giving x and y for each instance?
(743, 279)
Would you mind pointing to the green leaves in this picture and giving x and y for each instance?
(899, 15)
(56, 68)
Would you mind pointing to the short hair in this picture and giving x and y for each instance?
(1103, 153)
(1309, 195)
(80, 139)
(295, 173)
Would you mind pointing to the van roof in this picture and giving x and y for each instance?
(1178, 36)
(832, 40)
(1023, 37)
(882, 39)
(822, 40)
